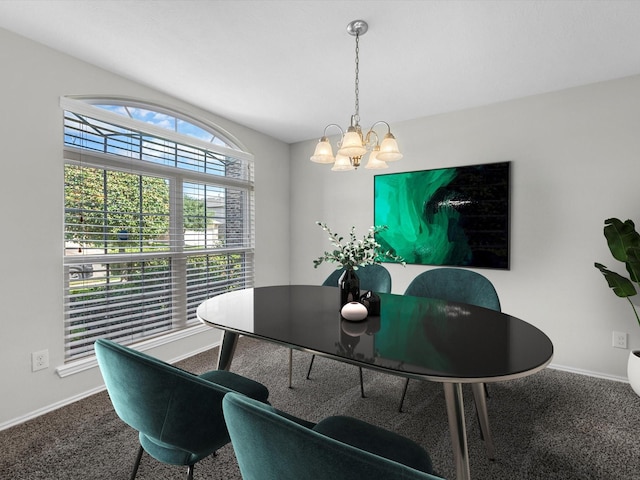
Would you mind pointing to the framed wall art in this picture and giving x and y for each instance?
(456, 216)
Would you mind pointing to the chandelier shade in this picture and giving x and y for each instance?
(389, 151)
(374, 163)
(323, 152)
(342, 164)
(353, 145)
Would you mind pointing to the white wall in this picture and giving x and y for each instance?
(575, 161)
(31, 202)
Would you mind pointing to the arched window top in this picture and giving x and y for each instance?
(131, 129)
(162, 117)
(170, 121)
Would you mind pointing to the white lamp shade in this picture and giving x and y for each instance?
(389, 151)
(323, 152)
(342, 164)
(352, 145)
(374, 163)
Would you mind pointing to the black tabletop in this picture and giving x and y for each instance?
(413, 336)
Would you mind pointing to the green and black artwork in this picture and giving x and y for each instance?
(449, 216)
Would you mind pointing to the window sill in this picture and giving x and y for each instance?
(88, 363)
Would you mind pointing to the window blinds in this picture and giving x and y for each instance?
(153, 227)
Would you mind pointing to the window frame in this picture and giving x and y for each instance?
(177, 178)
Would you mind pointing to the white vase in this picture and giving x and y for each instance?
(354, 311)
(633, 370)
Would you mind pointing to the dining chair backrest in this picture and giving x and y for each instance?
(455, 285)
(271, 445)
(173, 409)
(372, 277)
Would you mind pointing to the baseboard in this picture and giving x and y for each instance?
(88, 393)
(588, 373)
(50, 408)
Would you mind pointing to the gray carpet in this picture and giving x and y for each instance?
(552, 425)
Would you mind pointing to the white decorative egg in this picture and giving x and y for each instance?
(354, 311)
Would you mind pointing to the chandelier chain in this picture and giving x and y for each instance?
(357, 115)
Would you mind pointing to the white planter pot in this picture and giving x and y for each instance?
(633, 370)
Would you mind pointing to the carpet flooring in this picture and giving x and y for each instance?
(551, 425)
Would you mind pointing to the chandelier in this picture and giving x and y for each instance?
(353, 145)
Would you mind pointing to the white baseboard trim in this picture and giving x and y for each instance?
(588, 373)
(93, 391)
(194, 352)
(50, 408)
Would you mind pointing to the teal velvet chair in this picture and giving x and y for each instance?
(272, 445)
(375, 278)
(372, 277)
(455, 285)
(178, 415)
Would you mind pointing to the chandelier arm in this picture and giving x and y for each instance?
(333, 125)
(367, 139)
(379, 122)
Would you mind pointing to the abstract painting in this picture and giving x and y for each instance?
(456, 216)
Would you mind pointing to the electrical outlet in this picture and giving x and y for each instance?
(39, 360)
(619, 340)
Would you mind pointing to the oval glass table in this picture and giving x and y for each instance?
(423, 338)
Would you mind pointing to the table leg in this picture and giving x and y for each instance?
(457, 429)
(227, 349)
(480, 397)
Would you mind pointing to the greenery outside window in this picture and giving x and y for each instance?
(158, 217)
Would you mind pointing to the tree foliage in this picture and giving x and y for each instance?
(108, 206)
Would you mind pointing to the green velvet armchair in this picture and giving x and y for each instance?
(372, 277)
(463, 286)
(178, 415)
(454, 285)
(375, 278)
(272, 445)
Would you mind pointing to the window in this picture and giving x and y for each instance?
(158, 217)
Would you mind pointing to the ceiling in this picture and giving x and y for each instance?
(287, 68)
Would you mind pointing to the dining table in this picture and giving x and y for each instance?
(414, 337)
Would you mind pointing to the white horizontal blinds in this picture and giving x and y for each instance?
(210, 274)
(154, 225)
(118, 224)
(115, 211)
(216, 217)
(124, 301)
(218, 241)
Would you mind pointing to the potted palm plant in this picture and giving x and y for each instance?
(624, 243)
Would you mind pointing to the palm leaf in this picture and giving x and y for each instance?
(621, 286)
(621, 236)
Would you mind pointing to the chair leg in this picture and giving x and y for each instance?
(404, 393)
(483, 418)
(137, 464)
(310, 365)
(313, 357)
(290, 365)
(190, 472)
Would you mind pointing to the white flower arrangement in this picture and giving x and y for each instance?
(356, 253)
